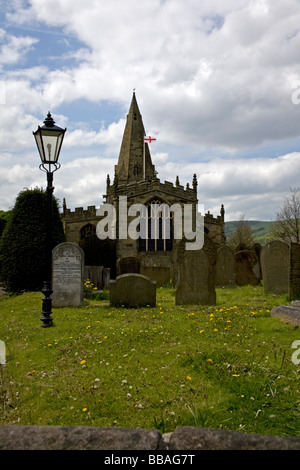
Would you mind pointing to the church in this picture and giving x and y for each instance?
(135, 179)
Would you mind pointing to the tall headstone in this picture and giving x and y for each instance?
(67, 275)
(196, 278)
(225, 267)
(246, 273)
(294, 285)
(275, 264)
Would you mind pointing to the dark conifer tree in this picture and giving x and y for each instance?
(22, 245)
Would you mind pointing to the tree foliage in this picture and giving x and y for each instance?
(287, 224)
(22, 245)
(242, 238)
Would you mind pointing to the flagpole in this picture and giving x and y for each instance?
(144, 160)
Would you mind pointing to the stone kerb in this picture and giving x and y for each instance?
(97, 438)
(132, 290)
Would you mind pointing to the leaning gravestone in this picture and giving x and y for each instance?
(196, 278)
(225, 267)
(275, 264)
(132, 290)
(67, 275)
(246, 263)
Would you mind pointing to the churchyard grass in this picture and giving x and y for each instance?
(227, 366)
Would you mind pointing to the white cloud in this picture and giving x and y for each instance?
(212, 78)
(12, 48)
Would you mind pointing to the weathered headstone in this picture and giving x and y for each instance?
(196, 278)
(132, 290)
(246, 272)
(225, 267)
(275, 264)
(94, 274)
(67, 275)
(105, 278)
(294, 284)
(256, 248)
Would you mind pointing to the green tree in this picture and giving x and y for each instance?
(242, 238)
(22, 245)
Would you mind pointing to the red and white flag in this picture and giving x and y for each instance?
(149, 139)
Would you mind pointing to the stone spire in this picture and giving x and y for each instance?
(131, 161)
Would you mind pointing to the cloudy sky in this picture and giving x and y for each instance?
(217, 83)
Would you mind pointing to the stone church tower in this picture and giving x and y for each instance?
(135, 180)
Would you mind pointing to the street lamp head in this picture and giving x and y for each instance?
(49, 140)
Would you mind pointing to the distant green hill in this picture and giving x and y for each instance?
(260, 229)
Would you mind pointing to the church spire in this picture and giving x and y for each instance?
(131, 161)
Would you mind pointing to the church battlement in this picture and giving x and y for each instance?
(140, 188)
(80, 214)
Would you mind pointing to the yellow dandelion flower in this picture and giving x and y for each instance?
(201, 331)
(83, 361)
(188, 377)
(84, 409)
(209, 360)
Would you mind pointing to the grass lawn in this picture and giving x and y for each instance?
(228, 366)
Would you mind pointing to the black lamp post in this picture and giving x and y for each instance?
(49, 139)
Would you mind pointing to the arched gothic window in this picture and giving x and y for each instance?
(158, 224)
(136, 170)
(86, 231)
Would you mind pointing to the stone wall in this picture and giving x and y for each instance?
(97, 438)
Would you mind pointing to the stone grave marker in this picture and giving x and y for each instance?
(132, 290)
(294, 275)
(225, 267)
(94, 274)
(247, 272)
(67, 275)
(196, 275)
(275, 264)
(106, 278)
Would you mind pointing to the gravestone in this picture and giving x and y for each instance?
(256, 248)
(67, 275)
(225, 267)
(196, 274)
(246, 268)
(294, 284)
(94, 274)
(132, 290)
(275, 263)
(106, 278)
